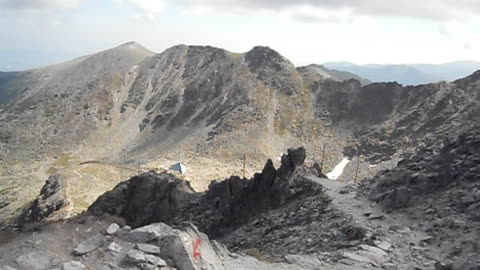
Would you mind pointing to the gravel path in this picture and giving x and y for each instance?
(408, 242)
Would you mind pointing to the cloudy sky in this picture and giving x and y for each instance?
(40, 32)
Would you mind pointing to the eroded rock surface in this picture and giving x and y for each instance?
(439, 188)
(52, 198)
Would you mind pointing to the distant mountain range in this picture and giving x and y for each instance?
(409, 74)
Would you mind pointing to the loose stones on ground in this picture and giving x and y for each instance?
(95, 241)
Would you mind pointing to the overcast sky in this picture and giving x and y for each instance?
(40, 32)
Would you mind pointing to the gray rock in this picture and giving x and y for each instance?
(373, 253)
(389, 266)
(114, 247)
(113, 228)
(376, 217)
(149, 233)
(383, 245)
(305, 261)
(35, 261)
(73, 265)
(150, 249)
(426, 241)
(95, 241)
(400, 229)
(442, 266)
(190, 249)
(5, 267)
(356, 257)
(138, 257)
(146, 266)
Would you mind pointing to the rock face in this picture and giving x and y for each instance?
(441, 189)
(389, 119)
(226, 205)
(52, 198)
(145, 199)
(456, 165)
(190, 250)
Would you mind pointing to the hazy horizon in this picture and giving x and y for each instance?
(39, 33)
(57, 59)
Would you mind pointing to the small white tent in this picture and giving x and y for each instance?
(179, 167)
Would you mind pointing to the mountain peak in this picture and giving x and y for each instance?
(135, 47)
(261, 56)
(131, 44)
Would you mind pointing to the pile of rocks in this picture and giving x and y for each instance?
(152, 247)
(308, 226)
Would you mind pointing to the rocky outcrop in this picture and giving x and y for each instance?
(234, 201)
(440, 189)
(152, 197)
(455, 165)
(146, 198)
(52, 198)
(278, 211)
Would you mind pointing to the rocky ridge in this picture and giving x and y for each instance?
(224, 207)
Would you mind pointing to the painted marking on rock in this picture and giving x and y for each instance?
(196, 248)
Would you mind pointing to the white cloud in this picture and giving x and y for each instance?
(33, 5)
(438, 10)
(148, 7)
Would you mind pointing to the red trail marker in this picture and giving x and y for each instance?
(196, 248)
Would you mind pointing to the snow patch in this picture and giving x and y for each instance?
(338, 170)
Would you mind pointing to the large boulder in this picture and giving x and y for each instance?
(52, 198)
(149, 233)
(145, 199)
(183, 247)
(89, 245)
(190, 249)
